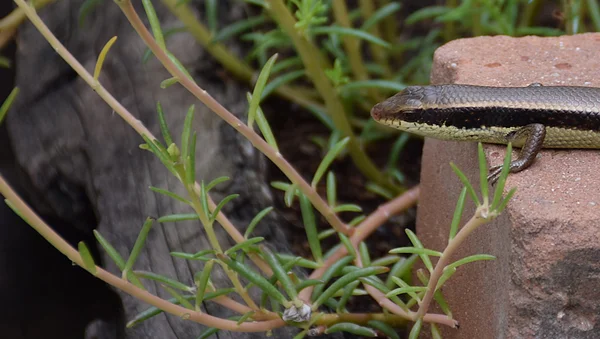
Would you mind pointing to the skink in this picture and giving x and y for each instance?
(531, 117)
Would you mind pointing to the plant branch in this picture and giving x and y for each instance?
(368, 226)
(208, 227)
(315, 63)
(352, 46)
(384, 302)
(233, 121)
(212, 237)
(360, 319)
(237, 236)
(121, 111)
(17, 16)
(226, 57)
(390, 27)
(62, 246)
(367, 8)
(376, 294)
(239, 288)
(9, 24)
(453, 245)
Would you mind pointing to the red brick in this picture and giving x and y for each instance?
(545, 282)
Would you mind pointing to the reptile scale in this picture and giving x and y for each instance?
(532, 117)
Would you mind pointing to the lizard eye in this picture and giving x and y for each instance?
(411, 98)
(413, 103)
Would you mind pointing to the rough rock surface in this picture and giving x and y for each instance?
(545, 282)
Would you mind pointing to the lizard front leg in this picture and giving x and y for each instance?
(532, 137)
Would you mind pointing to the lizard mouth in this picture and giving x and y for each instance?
(378, 111)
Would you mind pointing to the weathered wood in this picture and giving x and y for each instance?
(82, 158)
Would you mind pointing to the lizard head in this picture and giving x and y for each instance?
(407, 101)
